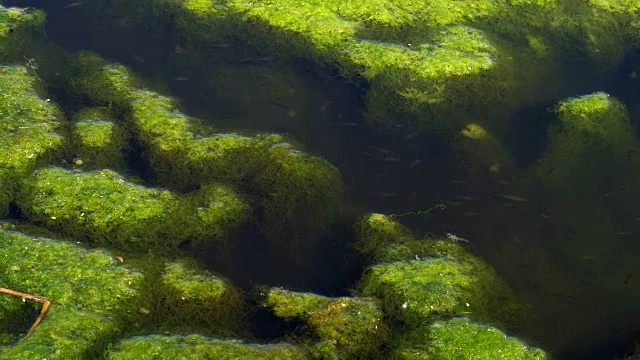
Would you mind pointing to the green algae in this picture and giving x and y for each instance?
(92, 295)
(297, 194)
(460, 338)
(66, 334)
(17, 27)
(195, 299)
(592, 145)
(422, 280)
(98, 141)
(482, 151)
(195, 347)
(28, 135)
(102, 208)
(352, 326)
(220, 210)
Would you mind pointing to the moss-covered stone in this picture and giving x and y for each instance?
(220, 210)
(353, 326)
(420, 280)
(591, 146)
(98, 141)
(195, 347)
(296, 194)
(484, 152)
(17, 26)
(101, 81)
(385, 240)
(194, 298)
(66, 334)
(102, 208)
(92, 295)
(27, 130)
(302, 194)
(461, 338)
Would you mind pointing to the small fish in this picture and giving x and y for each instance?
(411, 136)
(415, 162)
(380, 150)
(624, 233)
(512, 197)
(392, 124)
(545, 216)
(73, 4)
(326, 105)
(346, 124)
(467, 198)
(386, 194)
(179, 78)
(391, 159)
(456, 238)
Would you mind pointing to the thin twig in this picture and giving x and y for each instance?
(46, 304)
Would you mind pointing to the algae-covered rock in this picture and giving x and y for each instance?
(462, 339)
(420, 280)
(385, 240)
(98, 140)
(102, 208)
(66, 334)
(92, 296)
(220, 210)
(27, 130)
(304, 193)
(101, 81)
(353, 326)
(17, 27)
(195, 347)
(296, 194)
(195, 298)
(591, 146)
(483, 152)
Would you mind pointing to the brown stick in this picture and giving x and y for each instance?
(46, 304)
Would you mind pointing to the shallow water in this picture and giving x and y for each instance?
(570, 260)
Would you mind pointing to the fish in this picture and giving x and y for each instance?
(456, 238)
(73, 4)
(512, 197)
(467, 198)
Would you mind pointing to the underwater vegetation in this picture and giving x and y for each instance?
(112, 194)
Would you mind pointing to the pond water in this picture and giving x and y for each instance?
(572, 261)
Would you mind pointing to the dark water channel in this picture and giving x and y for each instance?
(580, 280)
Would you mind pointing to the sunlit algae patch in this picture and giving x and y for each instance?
(460, 338)
(296, 194)
(27, 130)
(444, 62)
(102, 208)
(97, 140)
(350, 327)
(93, 295)
(592, 144)
(196, 347)
(423, 281)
